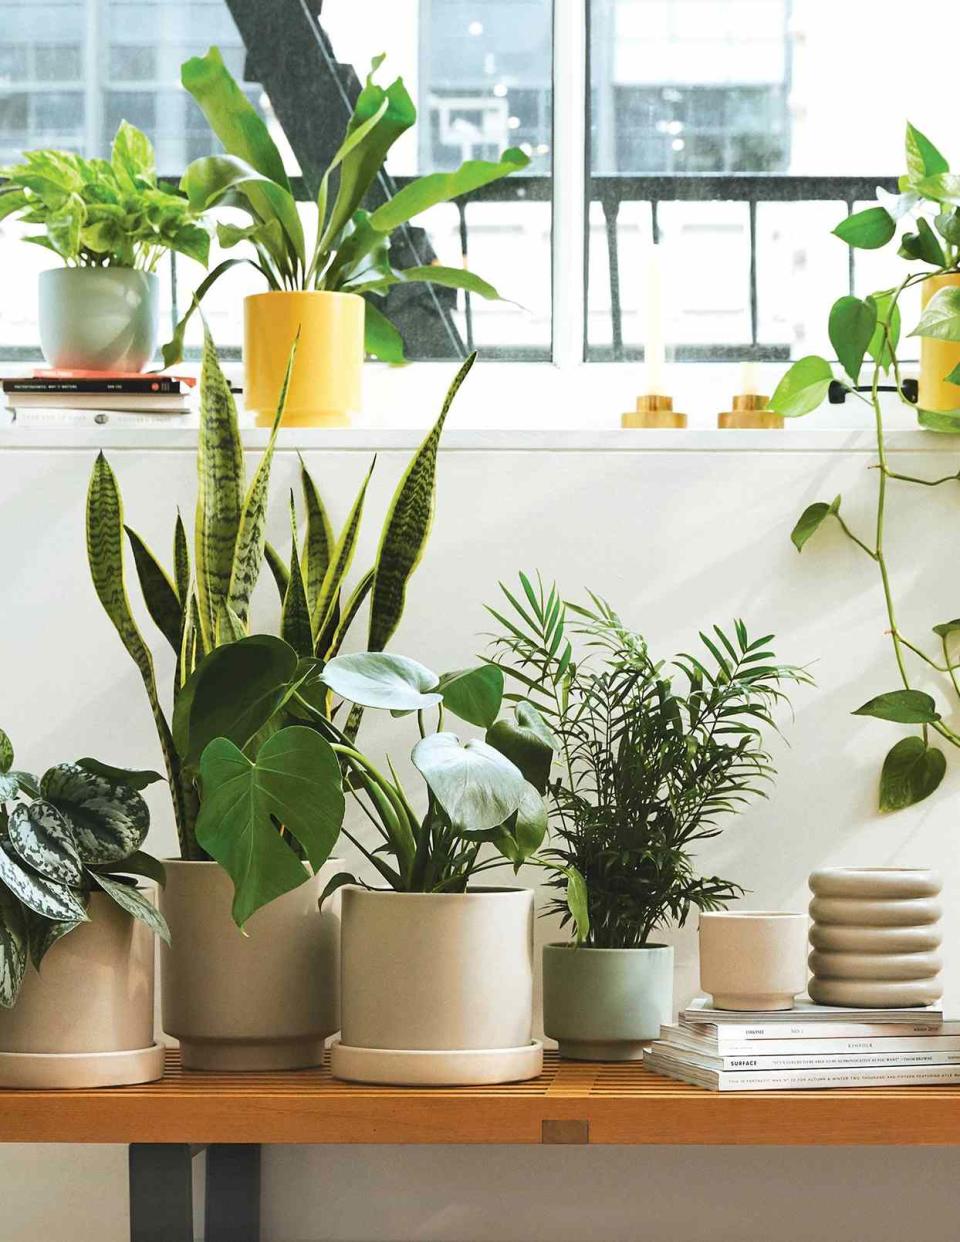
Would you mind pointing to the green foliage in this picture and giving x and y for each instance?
(652, 759)
(902, 707)
(911, 772)
(867, 229)
(351, 251)
(103, 213)
(78, 829)
(811, 520)
(803, 388)
(851, 329)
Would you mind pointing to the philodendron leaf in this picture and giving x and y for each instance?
(6, 752)
(136, 778)
(294, 781)
(803, 388)
(375, 679)
(911, 772)
(474, 694)
(902, 707)
(42, 896)
(811, 519)
(43, 934)
(851, 327)
(941, 317)
(527, 742)
(109, 820)
(136, 903)
(868, 229)
(42, 838)
(13, 948)
(476, 786)
(232, 693)
(923, 158)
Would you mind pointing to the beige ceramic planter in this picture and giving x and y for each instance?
(753, 959)
(437, 988)
(86, 1020)
(266, 1000)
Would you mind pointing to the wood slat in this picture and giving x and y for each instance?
(579, 1102)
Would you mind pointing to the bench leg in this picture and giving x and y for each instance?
(233, 1193)
(161, 1192)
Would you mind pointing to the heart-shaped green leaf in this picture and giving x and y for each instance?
(295, 781)
(868, 229)
(887, 335)
(474, 694)
(44, 897)
(42, 838)
(477, 787)
(108, 820)
(803, 388)
(851, 327)
(136, 903)
(376, 679)
(911, 772)
(941, 318)
(811, 519)
(902, 707)
(523, 833)
(946, 422)
(527, 742)
(947, 627)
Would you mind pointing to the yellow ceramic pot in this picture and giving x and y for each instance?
(325, 388)
(938, 358)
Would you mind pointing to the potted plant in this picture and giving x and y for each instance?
(76, 932)
(221, 987)
(651, 761)
(870, 327)
(109, 222)
(322, 291)
(436, 971)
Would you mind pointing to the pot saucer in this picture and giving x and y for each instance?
(422, 1067)
(57, 1071)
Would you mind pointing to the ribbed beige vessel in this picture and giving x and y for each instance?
(875, 937)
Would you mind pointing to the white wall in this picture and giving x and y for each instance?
(678, 532)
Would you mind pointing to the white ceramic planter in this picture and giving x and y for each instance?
(875, 937)
(753, 959)
(437, 988)
(86, 1019)
(266, 1000)
(99, 318)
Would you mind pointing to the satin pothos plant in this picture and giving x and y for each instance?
(204, 603)
(929, 203)
(74, 831)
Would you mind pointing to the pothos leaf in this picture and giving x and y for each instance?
(811, 519)
(911, 772)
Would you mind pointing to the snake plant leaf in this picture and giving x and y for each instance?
(43, 840)
(43, 934)
(131, 899)
(296, 627)
(251, 537)
(407, 527)
(436, 188)
(220, 490)
(6, 752)
(474, 694)
(159, 593)
(45, 897)
(13, 949)
(295, 781)
(230, 629)
(109, 820)
(139, 863)
(375, 679)
(476, 786)
(341, 560)
(181, 561)
(526, 741)
(380, 337)
(277, 567)
(233, 693)
(318, 543)
(350, 609)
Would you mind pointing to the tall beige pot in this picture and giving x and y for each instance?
(437, 988)
(86, 1018)
(266, 1000)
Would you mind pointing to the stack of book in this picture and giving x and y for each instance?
(95, 398)
(809, 1046)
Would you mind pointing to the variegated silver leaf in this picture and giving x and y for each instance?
(6, 752)
(13, 948)
(42, 935)
(109, 819)
(9, 786)
(136, 903)
(42, 838)
(43, 896)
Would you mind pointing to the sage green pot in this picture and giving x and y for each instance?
(605, 1004)
(99, 318)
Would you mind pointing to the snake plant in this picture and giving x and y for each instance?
(75, 831)
(204, 603)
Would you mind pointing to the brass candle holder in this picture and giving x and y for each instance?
(653, 410)
(751, 410)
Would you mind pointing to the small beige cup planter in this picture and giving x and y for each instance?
(875, 937)
(437, 988)
(753, 959)
(606, 1004)
(86, 1019)
(266, 1000)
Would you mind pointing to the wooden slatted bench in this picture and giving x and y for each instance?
(232, 1115)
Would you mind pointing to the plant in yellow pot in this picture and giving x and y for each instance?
(323, 291)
